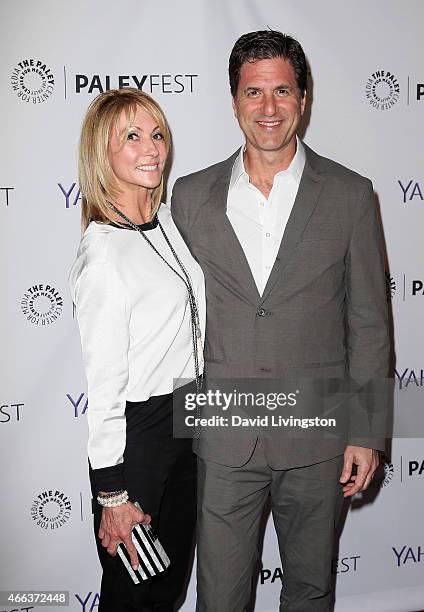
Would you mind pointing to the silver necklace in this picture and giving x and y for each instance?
(196, 332)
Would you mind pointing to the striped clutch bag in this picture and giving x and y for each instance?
(151, 556)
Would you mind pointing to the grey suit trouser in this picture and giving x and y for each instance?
(306, 504)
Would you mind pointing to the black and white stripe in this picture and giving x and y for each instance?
(151, 555)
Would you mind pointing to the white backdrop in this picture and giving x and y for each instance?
(367, 92)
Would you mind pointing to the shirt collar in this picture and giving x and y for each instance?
(295, 169)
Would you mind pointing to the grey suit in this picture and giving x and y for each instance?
(323, 313)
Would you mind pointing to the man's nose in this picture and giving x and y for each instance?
(269, 105)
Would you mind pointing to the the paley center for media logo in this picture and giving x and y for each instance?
(51, 509)
(382, 90)
(42, 304)
(404, 286)
(32, 80)
(390, 286)
(385, 472)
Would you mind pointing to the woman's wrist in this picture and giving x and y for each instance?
(112, 499)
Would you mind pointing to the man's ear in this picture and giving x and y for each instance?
(233, 102)
(303, 104)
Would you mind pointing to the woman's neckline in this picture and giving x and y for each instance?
(142, 226)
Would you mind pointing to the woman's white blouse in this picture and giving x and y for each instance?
(134, 318)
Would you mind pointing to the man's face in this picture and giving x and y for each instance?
(268, 104)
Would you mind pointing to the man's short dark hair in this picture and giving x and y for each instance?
(267, 44)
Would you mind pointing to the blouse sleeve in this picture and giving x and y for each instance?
(103, 317)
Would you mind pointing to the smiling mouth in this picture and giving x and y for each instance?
(150, 168)
(269, 124)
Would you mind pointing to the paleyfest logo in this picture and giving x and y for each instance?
(382, 90)
(33, 81)
(152, 83)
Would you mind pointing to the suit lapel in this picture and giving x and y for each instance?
(227, 238)
(306, 200)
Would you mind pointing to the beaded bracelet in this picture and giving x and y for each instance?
(107, 494)
(113, 499)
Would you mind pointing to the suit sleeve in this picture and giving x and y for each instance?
(103, 319)
(179, 210)
(367, 328)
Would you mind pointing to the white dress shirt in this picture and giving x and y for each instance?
(134, 318)
(258, 222)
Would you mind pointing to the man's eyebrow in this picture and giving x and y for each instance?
(281, 86)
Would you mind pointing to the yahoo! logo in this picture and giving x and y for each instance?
(408, 554)
(410, 377)
(80, 406)
(71, 194)
(88, 602)
(410, 190)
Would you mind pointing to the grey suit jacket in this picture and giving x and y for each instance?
(322, 315)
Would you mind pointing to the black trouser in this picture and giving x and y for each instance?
(160, 473)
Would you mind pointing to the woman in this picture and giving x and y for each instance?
(139, 298)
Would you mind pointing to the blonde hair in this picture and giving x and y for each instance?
(97, 180)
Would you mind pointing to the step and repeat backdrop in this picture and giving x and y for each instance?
(366, 111)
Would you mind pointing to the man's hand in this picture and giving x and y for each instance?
(366, 460)
(116, 526)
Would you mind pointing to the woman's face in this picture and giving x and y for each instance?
(140, 161)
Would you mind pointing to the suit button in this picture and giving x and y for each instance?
(261, 312)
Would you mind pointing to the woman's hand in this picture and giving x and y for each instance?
(116, 526)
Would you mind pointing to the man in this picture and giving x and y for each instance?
(289, 244)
